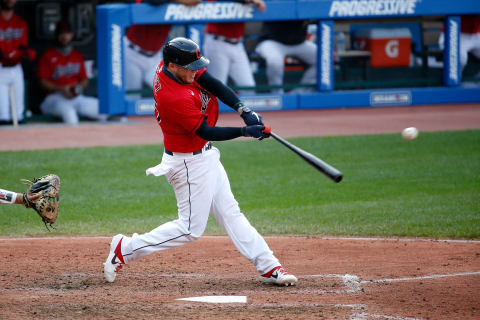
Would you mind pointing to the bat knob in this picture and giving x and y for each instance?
(267, 129)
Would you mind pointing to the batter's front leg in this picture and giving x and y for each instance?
(244, 236)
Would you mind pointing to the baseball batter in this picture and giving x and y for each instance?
(13, 47)
(224, 46)
(186, 108)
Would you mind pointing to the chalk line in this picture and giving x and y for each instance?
(433, 276)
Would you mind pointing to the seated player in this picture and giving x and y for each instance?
(61, 72)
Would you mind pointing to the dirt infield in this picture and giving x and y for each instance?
(62, 278)
(339, 278)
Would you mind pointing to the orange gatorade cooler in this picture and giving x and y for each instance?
(388, 47)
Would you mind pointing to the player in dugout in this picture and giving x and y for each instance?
(13, 48)
(61, 72)
(143, 48)
(186, 108)
(225, 48)
(469, 39)
(279, 39)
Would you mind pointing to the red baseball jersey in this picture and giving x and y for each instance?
(234, 30)
(149, 37)
(230, 30)
(61, 69)
(180, 110)
(13, 35)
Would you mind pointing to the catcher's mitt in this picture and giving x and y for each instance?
(46, 205)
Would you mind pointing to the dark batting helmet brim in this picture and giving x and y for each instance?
(198, 64)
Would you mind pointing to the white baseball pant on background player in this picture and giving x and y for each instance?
(468, 43)
(11, 76)
(274, 54)
(227, 59)
(139, 68)
(201, 187)
(58, 105)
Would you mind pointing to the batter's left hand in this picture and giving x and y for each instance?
(251, 118)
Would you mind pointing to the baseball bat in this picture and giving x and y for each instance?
(11, 94)
(312, 160)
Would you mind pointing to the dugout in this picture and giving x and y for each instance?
(359, 82)
(345, 79)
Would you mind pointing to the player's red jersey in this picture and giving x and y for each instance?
(180, 110)
(471, 24)
(13, 35)
(149, 37)
(62, 69)
(233, 30)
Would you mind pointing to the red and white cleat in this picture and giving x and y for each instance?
(279, 276)
(114, 260)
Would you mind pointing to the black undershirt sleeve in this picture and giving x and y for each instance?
(218, 89)
(217, 133)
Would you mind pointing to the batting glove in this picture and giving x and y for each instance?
(249, 117)
(255, 131)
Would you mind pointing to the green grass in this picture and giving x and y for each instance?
(429, 187)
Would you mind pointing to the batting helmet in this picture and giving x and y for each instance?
(185, 53)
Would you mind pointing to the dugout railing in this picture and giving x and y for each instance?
(113, 19)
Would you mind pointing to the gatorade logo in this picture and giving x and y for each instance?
(391, 49)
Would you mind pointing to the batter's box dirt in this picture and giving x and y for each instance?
(62, 278)
(210, 284)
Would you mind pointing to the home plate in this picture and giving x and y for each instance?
(217, 299)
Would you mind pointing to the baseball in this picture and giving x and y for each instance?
(410, 133)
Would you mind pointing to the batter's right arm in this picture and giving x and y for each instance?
(227, 96)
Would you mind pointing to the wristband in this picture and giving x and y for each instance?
(8, 197)
(240, 107)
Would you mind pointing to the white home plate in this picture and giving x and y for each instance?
(217, 299)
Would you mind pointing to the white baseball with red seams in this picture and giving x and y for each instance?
(410, 133)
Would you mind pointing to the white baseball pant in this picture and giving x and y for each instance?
(201, 187)
(228, 59)
(274, 54)
(468, 43)
(11, 76)
(139, 69)
(56, 104)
